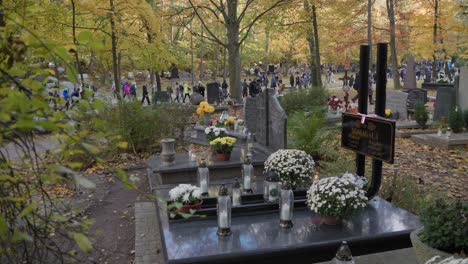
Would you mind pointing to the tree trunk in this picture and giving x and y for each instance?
(369, 31)
(158, 82)
(114, 50)
(317, 46)
(393, 56)
(434, 39)
(267, 48)
(224, 64)
(234, 73)
(312, 48)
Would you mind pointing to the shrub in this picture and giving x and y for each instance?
(456, 121)
(307, 132)
(420, 114)
(446, 225)
(304, 100)
(144, 127)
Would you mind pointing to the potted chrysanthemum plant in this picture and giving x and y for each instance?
(186, 197)
(294, 167)
(223, 147)
(335, 198)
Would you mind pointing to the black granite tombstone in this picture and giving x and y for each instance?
(415, 95)
(161, 97)
(212, 90)
(271, 68)
(445, 101)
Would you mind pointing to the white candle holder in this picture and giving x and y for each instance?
(286, 206)
(224, 212)
(236, 193)
(203, 174)
(247, 174)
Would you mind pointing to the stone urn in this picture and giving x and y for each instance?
(425, 252)
(168, 151)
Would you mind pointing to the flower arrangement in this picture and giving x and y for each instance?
(223, 145)
(334, 103)
(358, 180)
(336, 196)
(229, 122)
(186, 194)
(213, 132)
(205, 107)
(295, 167)
(388, 113)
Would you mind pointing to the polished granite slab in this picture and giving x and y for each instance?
(259, 239)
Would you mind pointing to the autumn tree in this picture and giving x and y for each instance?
(238, 19)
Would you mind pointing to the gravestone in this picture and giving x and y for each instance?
(415, 95)
(396, 101)
(196, 99)
(264, 116)
(445, 101)
(212, 91)
(410, 80)
(462, 91)
(161, 97)
(271, 68)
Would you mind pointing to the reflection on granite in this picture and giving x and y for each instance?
(192, 239)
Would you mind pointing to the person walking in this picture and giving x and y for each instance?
(145, 95)
(186, 91)
(133, 92)
(201, 89)
(244, 88)
(126, 90)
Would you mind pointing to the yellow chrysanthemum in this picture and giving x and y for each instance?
(388, 112)
(204, 104)
(209, 109)
(200, 111)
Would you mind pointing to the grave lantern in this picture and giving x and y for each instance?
(203, 174)
(271, 187)
(224, 212)
(250, 142)
(236, 193)
(343, 255)
(286, 206)
(247, 174)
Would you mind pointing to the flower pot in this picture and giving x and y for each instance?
(168, 151)
(330, 220)
(425, 252)
(206, 119)
(223, 157)
(187, 207)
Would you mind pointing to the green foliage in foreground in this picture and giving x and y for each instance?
(446, 225)
(35, 227)
(456, 121)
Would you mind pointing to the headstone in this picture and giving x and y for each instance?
(445, 101)
(196, 99)
(415, 95)
(462, 93)
(212, 91)
(410, 80)
(264, 116)
(271, 68)
(174, 73)
(396, 101)
(161, 97)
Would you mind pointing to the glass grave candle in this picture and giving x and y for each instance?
(247, 174)
(224, 212)
(203, 174)
(343, 255)
(236, 193)
(271, 187)
(250, 142)
(286, 206)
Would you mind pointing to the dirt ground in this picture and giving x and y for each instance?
(114, 227)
